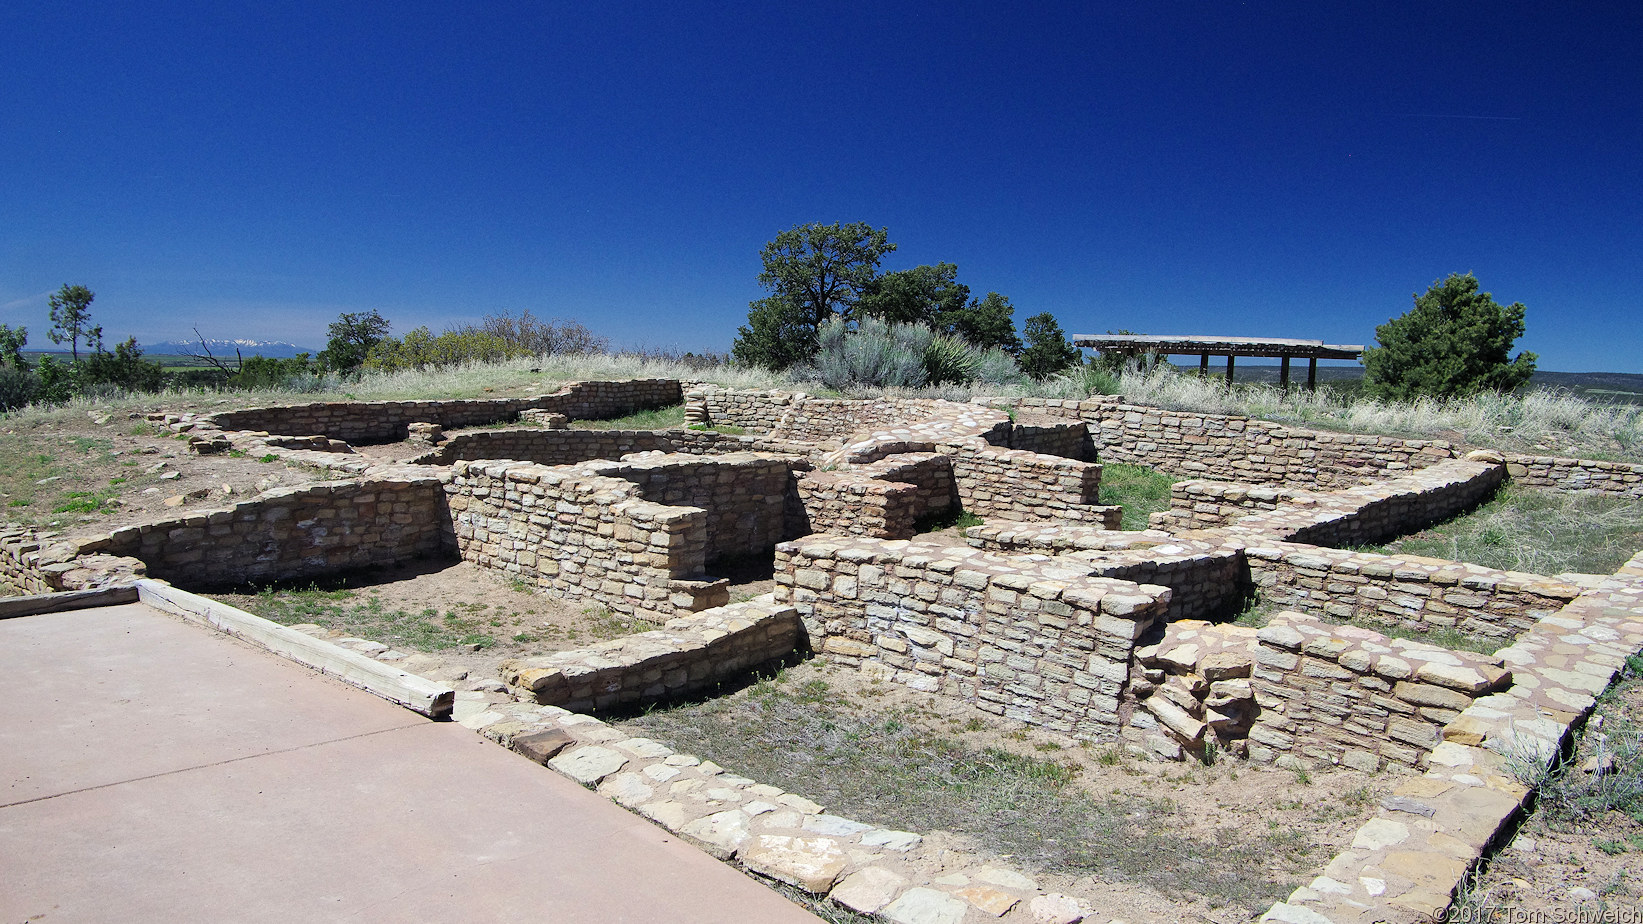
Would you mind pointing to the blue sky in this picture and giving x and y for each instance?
(1257, 169)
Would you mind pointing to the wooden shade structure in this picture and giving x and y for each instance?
(1204, 346)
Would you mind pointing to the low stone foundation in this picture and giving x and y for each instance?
(689, 654)
(1624, 479)
(1041, 642)
(1404, 590)
(1351, 696)
(299, 532)
(547, 446)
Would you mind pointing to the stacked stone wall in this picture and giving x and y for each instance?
(299, 532)
(853, 504)
(1041, 642)
(382, 421)
(1623, 479)
(1228, 447)
(1406, 591)
(1052, 436)
(584, 536)
(569, 447)
(742, 496)
(1015, 484)
(1346, 695)
(1380, 510)
(1197, 504)
(688, 655)
(930, 473)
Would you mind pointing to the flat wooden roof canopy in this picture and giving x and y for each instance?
(1282, 347)
(1218, 346)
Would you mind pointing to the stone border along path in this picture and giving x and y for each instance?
(1403, 865)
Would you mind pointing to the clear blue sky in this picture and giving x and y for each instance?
(1260, 169)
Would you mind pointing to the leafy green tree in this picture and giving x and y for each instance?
(1048, 351)
(915, 296)
(124, 368)
(11, 346)
(71, 319)
(1455, 342)
(814, 272)
(352, 335)
(988, 323)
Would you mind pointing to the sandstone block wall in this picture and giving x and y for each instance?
(1619, 478)
(1380, 510)
(1018, 485)
(1194, 691)
(853, 504)
(688, 655)
(1205, 578)
(583, 535)
(381, 421)
(1042, 642)
(1232, 448)
(1198, 504)
(1052, 436)
(569, 447)
(742, 496)
(1350, 696)
(298, 532)
(1404, 590)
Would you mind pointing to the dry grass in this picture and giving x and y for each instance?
(900, 768)
(1542, 532)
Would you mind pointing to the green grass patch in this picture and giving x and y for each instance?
(1140, 490)
(1542, 532)
(662, 418)
(953, 517)
(346, 611)
(884, 768)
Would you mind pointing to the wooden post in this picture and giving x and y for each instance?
(1283, 374)
(1229, 370)
(1312, 374)
(1203, 366)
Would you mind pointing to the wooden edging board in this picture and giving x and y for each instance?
(415, 693)
(34, 604)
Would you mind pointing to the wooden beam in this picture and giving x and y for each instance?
(1203, 365)
(34, 604)
(1283, 374)
(1229, 369)
(1312, 375)
(415, 693)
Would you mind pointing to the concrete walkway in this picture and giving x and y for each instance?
(153, 770)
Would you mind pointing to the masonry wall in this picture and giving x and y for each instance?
(1015, 484)
(1232, 448)
(568, 447)
(291, 533)
(1380, 510)
(1035, 641)
(367, 421)
(1562, 474)
(1407, 591)
(742, 495)
(1349, 696)
(583, 536)
(1052, 436)
(689, 655)
(1197, 504)
(853, 504)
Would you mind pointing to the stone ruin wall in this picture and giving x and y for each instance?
(1040, 642)
(584, 536)
(386, 421)
(1622, 479)
(1406, 591)
(299, 532)
(1015, 484)
(569, 447)
(743, 496)
(1350, 696)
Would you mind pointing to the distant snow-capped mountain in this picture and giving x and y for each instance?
(273, 349)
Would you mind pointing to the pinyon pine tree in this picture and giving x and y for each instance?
(1454, 343)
